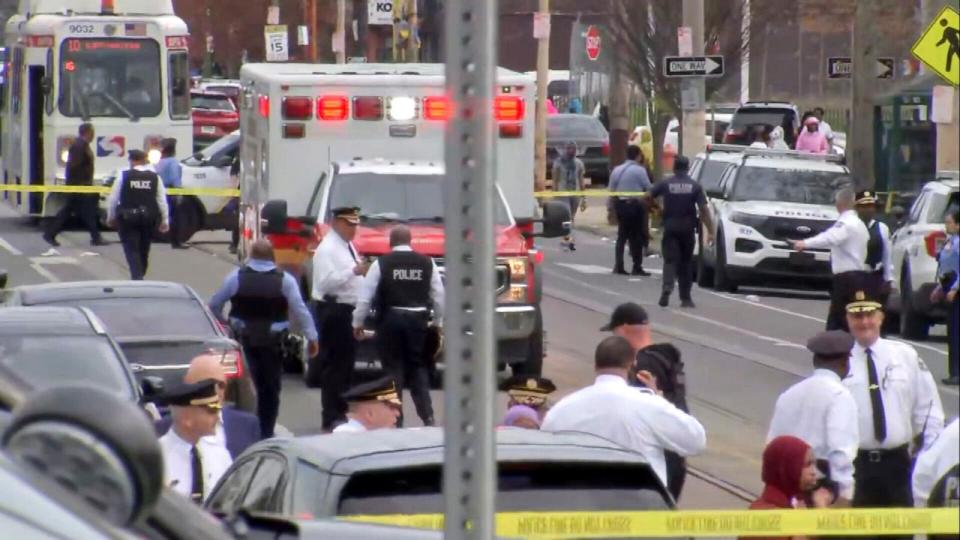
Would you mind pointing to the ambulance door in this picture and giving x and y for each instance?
(34, 137)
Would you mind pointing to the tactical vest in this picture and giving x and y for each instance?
(874, 246)
(259, 303)
(139, 192)
(404, 280)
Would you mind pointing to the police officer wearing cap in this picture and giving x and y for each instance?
(338, 272)
(372, 405)
(137, 206)
(879, 259)
(405, 285)
(898, 406)
(529, 391)
(682, 197)
(193, 462)
(847, 240)
(821, 411)
(261, 298)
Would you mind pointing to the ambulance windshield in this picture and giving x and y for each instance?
(110, 77)
(401, 198)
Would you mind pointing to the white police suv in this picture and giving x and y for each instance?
(762, 199)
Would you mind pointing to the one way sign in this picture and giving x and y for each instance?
(693, 66)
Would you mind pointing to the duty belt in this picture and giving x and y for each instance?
(880, 455)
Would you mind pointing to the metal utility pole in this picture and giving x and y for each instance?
(745, 33)
(694, 121)
(341, 35)
(860, 144)
(413, 50)
(469, 469)
(543, 78)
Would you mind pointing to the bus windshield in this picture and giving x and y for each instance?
(110, 77)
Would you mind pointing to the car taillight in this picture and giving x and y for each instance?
(232, 363)
(508, 108)
(606, 149)
(730, 136)
(436, 108)
(333, 108)
(511, 131)
(296, 108)
(263, 106)
(934, 241)
(368, 108)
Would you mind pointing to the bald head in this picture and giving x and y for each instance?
(400, 236)
(262, 250)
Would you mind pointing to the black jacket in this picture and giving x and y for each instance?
(80, 164)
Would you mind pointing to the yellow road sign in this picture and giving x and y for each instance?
(939, 46)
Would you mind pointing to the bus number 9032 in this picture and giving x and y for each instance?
(81, 28)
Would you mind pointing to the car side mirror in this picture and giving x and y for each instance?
(898, 212)
(715, 194)
(273, 217)
(222, 161)
(556, 220)
(3, 278)
(152, 387)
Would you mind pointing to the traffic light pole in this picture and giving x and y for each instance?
(469, 470)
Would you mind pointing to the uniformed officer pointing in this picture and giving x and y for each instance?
(821, 411)
(137, 206)
(405, 285)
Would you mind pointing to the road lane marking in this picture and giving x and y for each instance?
(53, 260)
(48, 275)
(9, 247)
(585, 268)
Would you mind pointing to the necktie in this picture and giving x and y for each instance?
(196, 491)
(352, 252)
(876, 400)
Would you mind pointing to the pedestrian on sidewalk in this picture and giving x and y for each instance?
(171, 172)
(568, 173)
(137, 207)
(632, 214)
(948, 264)
(79, 172)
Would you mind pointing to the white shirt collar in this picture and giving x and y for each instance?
(857, 347)
(402, 248)
(827, 374)
(613, 380)
(178, 441)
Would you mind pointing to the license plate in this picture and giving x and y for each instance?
(208, 129)
(799, 258)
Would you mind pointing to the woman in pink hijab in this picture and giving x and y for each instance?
(811, 139)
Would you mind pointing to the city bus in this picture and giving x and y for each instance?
(121, 65)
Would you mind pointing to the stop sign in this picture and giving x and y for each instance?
(593, 43)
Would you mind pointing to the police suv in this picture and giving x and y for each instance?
(764, 198)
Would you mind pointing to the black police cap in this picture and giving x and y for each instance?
(137, 155)
(831, 344)
(382, 389)
(528, 390)
(199, 394)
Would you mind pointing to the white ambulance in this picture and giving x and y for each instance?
(371, 135)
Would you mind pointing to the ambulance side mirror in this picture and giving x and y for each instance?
(556, 220)
(273, 217)
(3, 279)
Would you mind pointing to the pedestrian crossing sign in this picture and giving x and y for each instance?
(939, 46)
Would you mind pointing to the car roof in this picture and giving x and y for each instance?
(778, 162)
(727, 157)
(344, 453)
(208, 93)
(90, 290)
(765, 104)
(55, 320)
(390, 166)
(570, 116)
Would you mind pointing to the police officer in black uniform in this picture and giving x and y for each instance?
(682, 196)
(879, 261)
(403, 284)
(262, 297)
(137, 206)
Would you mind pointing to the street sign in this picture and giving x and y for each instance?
(541, 25)
(685, 41)
(691, 95)
(593, 43)
(885, 67)
(841, 67)
(380, 12)
(693, 66)
(937, 46)
(277, 45)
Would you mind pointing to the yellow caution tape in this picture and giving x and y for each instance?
(198, 191)
(704, 523)
(588, 193)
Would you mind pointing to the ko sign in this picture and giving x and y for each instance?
(380, 12)
(593, 43)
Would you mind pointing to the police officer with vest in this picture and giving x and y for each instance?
(137, 206)
(879, 259)
(262, 297)
(403, 284)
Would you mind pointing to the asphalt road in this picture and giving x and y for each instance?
(740, 350)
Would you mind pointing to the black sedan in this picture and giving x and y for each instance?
(160, 326)
(400, 471)
(592, 139)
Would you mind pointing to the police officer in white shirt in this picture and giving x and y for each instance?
(821, 411)
(635, 418)
(338, 272)
(193, 462)
(897, 404)
(936, 474)
(373, 405)
(847, 240)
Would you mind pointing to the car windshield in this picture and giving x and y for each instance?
(111, 77)
(786, 185)
(710, 173)
(128, 317)
(44, 361)
(211, 103)
(223, 144)
(575, 127)
(521, 487)
(397, 197)
(231, 91)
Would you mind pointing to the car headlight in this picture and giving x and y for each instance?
(750, 220)
(518, 268)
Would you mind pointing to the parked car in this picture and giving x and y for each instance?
(214, 115)
(400, 471)
(229, 87)
(592, 139)
(915, 248)
(671, 137)
(159, 325)
(766, 115)
(54, 346)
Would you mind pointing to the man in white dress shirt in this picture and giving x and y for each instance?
(898, 405)
(373, 405)
(635, 418)
(338, 272)
(821, 411)
(192, 467)
(847, 240)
